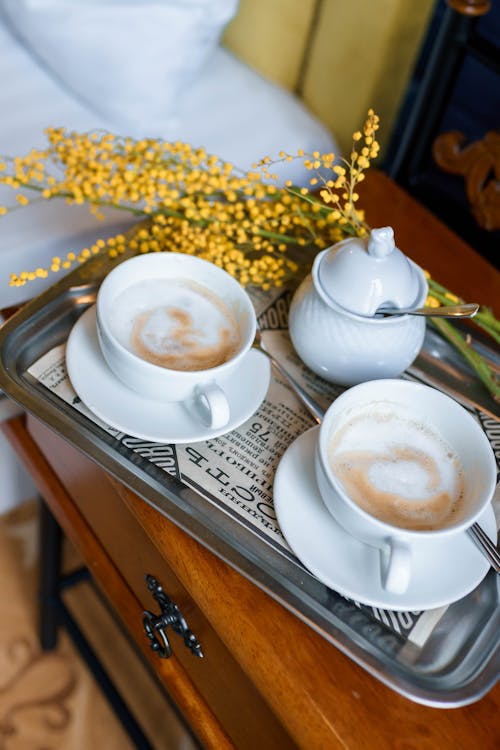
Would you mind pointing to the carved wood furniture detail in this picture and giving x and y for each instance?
(479, 163)
(452, 88)
(470, 7)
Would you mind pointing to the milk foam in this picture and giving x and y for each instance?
(397, 469)
(175, 323)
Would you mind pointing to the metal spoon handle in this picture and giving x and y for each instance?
(312, 407)
(466, 310)
(485, 544)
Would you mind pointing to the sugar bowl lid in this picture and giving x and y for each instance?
(363, 274)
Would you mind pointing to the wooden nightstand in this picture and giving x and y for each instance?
(266, 679)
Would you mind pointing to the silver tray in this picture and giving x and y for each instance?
(459, 662)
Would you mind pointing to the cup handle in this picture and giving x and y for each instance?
(212, 405)
(395, 567)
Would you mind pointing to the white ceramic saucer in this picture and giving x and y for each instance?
(110, 400)
(442, 575)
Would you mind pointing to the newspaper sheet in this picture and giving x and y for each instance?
(235, 472)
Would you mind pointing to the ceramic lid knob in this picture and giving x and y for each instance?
(363, 274)
(381, 242)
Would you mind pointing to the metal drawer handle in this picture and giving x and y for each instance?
(155, 625)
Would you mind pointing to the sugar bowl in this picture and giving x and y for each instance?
(335, 321)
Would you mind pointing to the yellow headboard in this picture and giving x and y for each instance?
(339, 56)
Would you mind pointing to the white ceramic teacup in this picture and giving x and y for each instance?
(147, 282)
(403, 450)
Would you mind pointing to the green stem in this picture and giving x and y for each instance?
(439, 294)
(434, 286)
(164, 211)
(104, 204)
(485, 326)
(275, 236)
(485, 374)
(484, 318)
(307, 198)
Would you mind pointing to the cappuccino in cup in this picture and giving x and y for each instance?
(175, 323)
(398, 469)
(401, 467)
(176, 328)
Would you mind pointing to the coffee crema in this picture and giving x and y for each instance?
(398, 470)
(175, 323)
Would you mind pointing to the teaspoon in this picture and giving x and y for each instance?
(466, 310)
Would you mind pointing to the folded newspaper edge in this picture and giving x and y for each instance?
(247, 458)
(253, 479)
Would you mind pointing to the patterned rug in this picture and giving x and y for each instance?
(48, 700)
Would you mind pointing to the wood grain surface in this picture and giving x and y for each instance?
(321, 696)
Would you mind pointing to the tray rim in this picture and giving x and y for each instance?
(173, 506)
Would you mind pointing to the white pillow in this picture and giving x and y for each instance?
(131, 61)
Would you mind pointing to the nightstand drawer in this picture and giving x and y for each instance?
(219, 679)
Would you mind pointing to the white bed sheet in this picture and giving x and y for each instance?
(230, 110)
